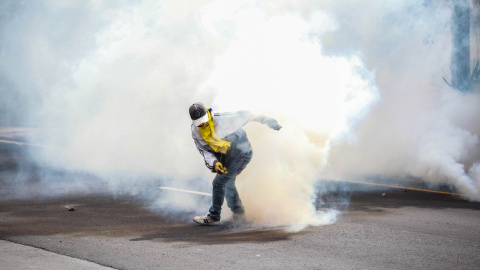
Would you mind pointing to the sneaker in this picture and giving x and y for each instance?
(206, 220)
(235, 218)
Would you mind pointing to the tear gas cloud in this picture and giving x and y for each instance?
(357, 86)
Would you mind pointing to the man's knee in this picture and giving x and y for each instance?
(221, 179)
(230, 184)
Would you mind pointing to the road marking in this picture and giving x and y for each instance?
(20, 143)
(401, 187)
(186, 190)
(350, 181)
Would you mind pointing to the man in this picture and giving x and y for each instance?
(224, 145)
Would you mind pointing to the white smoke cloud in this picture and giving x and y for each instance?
(275, 64)
(448, 143)
(421, 128)
(356, 85)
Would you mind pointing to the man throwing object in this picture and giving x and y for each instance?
(224, 145)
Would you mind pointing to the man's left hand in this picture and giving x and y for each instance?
(220, 169)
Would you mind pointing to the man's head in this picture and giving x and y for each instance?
(198, 113)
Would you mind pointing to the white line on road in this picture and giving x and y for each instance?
(186, 190)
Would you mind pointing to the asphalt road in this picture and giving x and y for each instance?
(403, 230)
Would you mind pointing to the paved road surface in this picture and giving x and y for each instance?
(404, 230)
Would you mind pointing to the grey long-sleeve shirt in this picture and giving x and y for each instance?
(225, 124)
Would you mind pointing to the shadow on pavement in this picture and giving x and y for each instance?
(216, 235)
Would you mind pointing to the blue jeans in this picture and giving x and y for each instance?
(224, 186)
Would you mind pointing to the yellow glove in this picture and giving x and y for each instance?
(220, 169)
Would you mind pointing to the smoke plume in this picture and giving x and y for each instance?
(356, 85)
